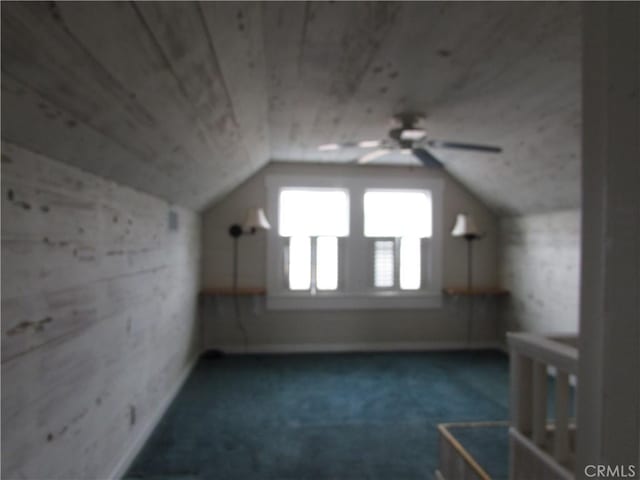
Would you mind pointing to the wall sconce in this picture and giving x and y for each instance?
(465, 227)
(255, 220)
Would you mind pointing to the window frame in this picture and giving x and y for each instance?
(355, 285)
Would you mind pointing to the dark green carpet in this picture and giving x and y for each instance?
(346, 416)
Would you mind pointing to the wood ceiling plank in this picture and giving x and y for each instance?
(284, 26)
(486, 74)
(431, 54)
(336, 41)
(368, 31)
(405, 73)
(530, 105)
(235, 35)
(183, 37)
(198, 97)
(115, 34)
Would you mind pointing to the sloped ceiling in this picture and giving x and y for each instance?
(185, 100)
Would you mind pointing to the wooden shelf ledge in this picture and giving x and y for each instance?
(230, 291)
(482, 291)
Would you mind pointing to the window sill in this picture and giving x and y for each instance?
(343, 301)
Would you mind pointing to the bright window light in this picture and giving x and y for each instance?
(313, 212)
(410, 263)
(300, 263)
(383, 263)
(398, 213)
(327, 263)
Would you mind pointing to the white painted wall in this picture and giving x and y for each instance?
(342, 330)
(540, 266)
(609, 344)
(98, 316)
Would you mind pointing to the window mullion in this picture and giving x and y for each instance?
(396, 263)
(285, 261)
(314, 256)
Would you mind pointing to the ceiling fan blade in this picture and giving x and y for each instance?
(464, 146)
(368, 157)
(328, 147)
(426, 158)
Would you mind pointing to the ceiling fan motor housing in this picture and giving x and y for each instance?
(395, 134)
(408, 120)
(405, 129)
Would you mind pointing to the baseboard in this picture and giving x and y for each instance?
(127, 459)
(354, 347)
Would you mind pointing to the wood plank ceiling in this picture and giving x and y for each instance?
(186, 100)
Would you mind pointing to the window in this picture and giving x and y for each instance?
(311, 221)
(354, 243)
(397, 220)
(327, 263)
(392, 269)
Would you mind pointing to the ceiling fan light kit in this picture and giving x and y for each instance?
(369, 143)
(407, 136)
(413, 134)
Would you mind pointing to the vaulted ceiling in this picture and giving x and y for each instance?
(186, 100)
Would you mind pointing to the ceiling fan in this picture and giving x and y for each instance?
(407, 136)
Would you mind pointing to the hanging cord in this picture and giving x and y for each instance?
(236, 298)
(469, 287)
(245, 335)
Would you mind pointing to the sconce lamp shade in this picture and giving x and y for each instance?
(465, 227)
(256, 220)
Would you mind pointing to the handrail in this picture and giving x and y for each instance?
(553, 351)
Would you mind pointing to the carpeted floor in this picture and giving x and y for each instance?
(333, 416)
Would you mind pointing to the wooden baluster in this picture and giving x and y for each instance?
(561, 444)
(520, 385)
(539, 403)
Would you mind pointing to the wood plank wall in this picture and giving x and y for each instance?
(540, 266)
(98, 315)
